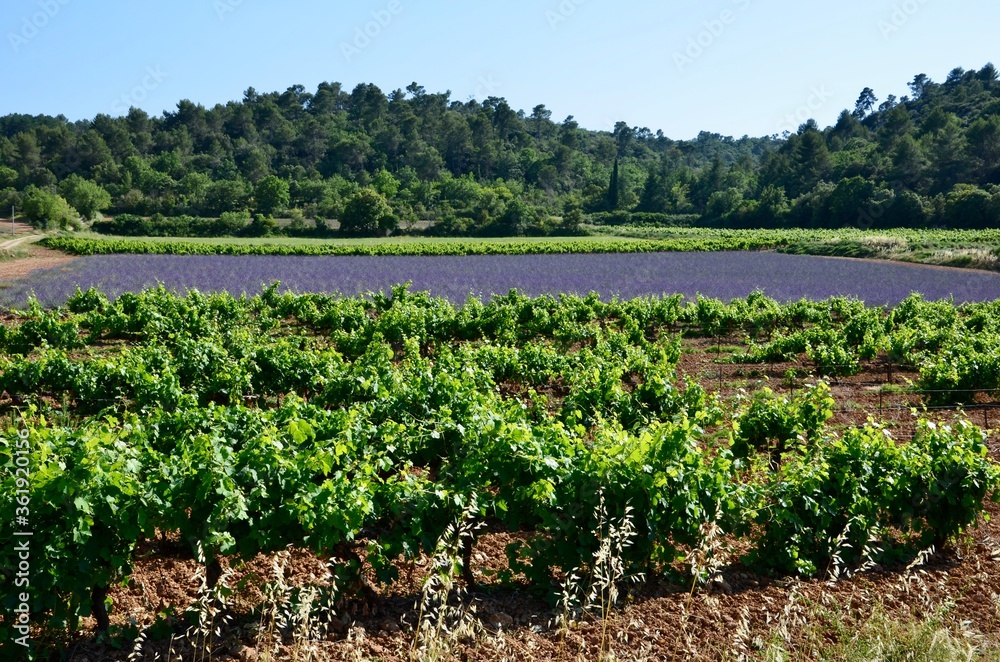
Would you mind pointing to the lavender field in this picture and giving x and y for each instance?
(721, 275)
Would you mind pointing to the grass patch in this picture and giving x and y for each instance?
(895, 389)
(17, 253)
(724, 349)
(882, 636)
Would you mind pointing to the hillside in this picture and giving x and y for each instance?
(480, 167)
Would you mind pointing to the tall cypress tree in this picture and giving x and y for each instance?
(614, 190)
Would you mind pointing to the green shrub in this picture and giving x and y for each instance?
(85, 196)
(772, 423)
(367, 213)
(848, 500)
(46, 210)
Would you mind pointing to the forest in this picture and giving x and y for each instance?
(369, 163)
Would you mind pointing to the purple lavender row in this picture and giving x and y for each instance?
(720, 275)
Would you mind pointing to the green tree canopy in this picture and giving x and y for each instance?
(437, 159)
(516, 218)
(8, 177)
(85, 196)
(368, 213)
(227, 195)
(46, 210)
(271, 195)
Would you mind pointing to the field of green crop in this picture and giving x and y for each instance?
(959, 248)
(379, 431)
(508, 246)
(346, 241)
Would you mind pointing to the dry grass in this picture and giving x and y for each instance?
(446, 619)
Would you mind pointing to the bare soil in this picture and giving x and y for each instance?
(35, 258)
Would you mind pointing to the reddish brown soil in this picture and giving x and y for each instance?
(37, 258)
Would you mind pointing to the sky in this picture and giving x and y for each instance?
(735, 67)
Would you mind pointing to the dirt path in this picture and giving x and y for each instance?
(14, 243)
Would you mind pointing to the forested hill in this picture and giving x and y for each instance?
(930, 158)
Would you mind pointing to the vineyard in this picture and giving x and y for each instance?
(384, 429)
(731, 240)
(957, 248)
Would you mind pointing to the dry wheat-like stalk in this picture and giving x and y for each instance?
(608, 574)
(913, 573)
(441, 624)
(793, 616)
(570, 603)
(742, 637)
(836, 569)
(356, 638)
(136, 655)
(301, 615)
(274, 610)
(208, 607)
(309, 616)
(705, 564)
(609, 569)
(504, 650)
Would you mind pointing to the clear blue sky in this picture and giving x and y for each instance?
(761, 66)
